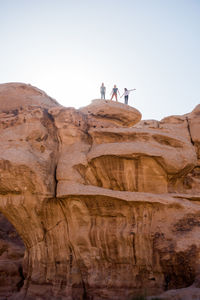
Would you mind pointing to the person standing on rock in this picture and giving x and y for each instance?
(126, 94)
(103, 91)
(114, 92)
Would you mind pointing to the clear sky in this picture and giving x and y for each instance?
(69, 47)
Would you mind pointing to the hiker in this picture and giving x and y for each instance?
(126, 94)
(114, 92)
(103, 91)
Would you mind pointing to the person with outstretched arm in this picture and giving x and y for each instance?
(114, 92)
(126, 94)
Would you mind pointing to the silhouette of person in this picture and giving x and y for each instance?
(114, 92)
(103, 91)
(126, 94)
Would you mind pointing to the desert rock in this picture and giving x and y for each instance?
(106, 205)
(106, 113)
(11, 259)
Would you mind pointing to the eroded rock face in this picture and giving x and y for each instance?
(102, 113)
(11, 259)
(105, 209)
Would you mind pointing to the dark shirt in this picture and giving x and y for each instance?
(115, 90)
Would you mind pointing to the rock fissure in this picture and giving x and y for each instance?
(21, 282)
(73, 251)
(189, 131)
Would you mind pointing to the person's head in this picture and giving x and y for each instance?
(115, 86)
(102, 84)
(125, 89)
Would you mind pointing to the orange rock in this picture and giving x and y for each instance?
(107, 205)
(107, 113)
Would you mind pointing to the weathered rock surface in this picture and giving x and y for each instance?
(102, 113)
(11, 259)
(105, 210)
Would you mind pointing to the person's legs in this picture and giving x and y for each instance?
(126, 100)
(116, 97)
(114, 94)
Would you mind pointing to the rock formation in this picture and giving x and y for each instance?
(107, 206)
(11, 259)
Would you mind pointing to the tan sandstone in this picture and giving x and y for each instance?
(108, 206)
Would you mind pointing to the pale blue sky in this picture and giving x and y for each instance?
(69, 47)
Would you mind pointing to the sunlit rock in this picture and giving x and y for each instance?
(107, 205)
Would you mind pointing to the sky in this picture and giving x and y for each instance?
(69, 47)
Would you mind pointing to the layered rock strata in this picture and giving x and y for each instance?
(107, 205)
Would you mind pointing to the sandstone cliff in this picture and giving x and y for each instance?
(107, 206)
